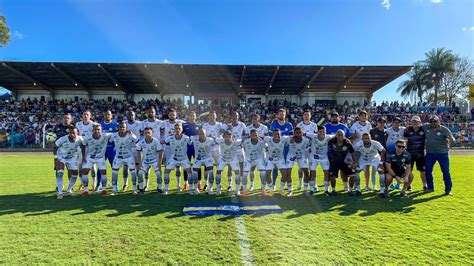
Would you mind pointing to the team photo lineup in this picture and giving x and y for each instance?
(367, 156)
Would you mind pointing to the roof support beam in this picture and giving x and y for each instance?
(385, 82)
(348, 80)
(241, 79)
(270, 83)
(117, 83)
(75, 82)
(186, 79)
(34, 81)
(154, 82)
(306, 86)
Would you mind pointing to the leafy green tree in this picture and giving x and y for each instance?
(4, 32)
(439, 62)
(417, 84)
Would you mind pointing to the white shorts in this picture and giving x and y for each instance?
(71, 164)
(99, 162)
(79, 159)
(172, 163)
(234, 165)
(216, 154)
(259, 164)
(302, 163)
(363, 163)
(313, 164)
(130, 162)
(145, 166)
(240, 155)
(280, 164)
(206, 162)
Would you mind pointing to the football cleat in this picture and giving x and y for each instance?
(264, 193)
(200, 186)
(290, 193)
(327, 194)
(350, 193)
(229, 189)
(448, 193)
(185, 186)
(81, 187)
(358, 193)
(103, 193)
(85, 193)
(141, 192)
(251, 187)
(196, 191)
(145, 188)
(160, 191)
(243, 193)
(124, 188)
(60, 196)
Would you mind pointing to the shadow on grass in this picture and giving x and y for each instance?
(150, 204)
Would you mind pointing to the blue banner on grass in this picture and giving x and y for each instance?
(203, 209)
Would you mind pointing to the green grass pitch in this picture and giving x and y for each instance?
(37, 228)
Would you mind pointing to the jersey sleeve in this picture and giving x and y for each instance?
(59, 142)
(84, 142)
(139, 146)
(379, 146)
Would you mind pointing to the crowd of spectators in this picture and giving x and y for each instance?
(22, 122)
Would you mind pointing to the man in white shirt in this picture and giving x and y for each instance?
(151, 149)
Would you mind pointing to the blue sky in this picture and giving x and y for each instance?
(315, 32)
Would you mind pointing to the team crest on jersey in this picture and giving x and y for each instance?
(403, 160)
(422, 133)
(344, 148)
(376, 135)
(439, 133)
(334, 146)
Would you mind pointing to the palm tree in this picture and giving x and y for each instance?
(438, 62)
(417, 83)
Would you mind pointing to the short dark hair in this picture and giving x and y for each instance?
(402, 141)
(227, 133)
(321, 127)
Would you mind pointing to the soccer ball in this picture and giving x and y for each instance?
(51, 136)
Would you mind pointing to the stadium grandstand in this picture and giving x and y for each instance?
(295, 83)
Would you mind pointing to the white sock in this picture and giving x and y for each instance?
(289, 186)
(382, 182)
(305, 186)
(85, 182)
(59, 181)
(103, 180)
(282, 185)
(311, 185)
(326, 185)
(72, 182)
(346, 186)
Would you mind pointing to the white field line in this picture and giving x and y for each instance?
(245, 250)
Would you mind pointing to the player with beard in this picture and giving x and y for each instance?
(359, 128)
(338, 149)
(307, 126)
(415, 136)
(286, 129)
(213, 129)
(136, 128)
(155, 124)
(168, 127)
(85, 128)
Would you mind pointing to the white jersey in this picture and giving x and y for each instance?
(178, 147)
(254, 152)
(319, 148)
(308, 128)
(297, 150)
(237, 130)
(135, 127)
(213, 131)
(228, 151)
(155, 125)
(394, 135)
(67, 149)
(369, 153)
(262, 130)
(168, 127)
(149, 150)
(276, 150)
(202, 150)
(123, 145)
(358, 129)
(85, 129)
(96, 148)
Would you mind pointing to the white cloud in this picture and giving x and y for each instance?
(166, 61)
(468, 28)
(18, 35)
(386, 4)
(436, 1)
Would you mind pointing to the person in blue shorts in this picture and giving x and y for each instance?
(108, 126)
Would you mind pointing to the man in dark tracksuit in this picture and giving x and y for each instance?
(190, 128)
(415, 136)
